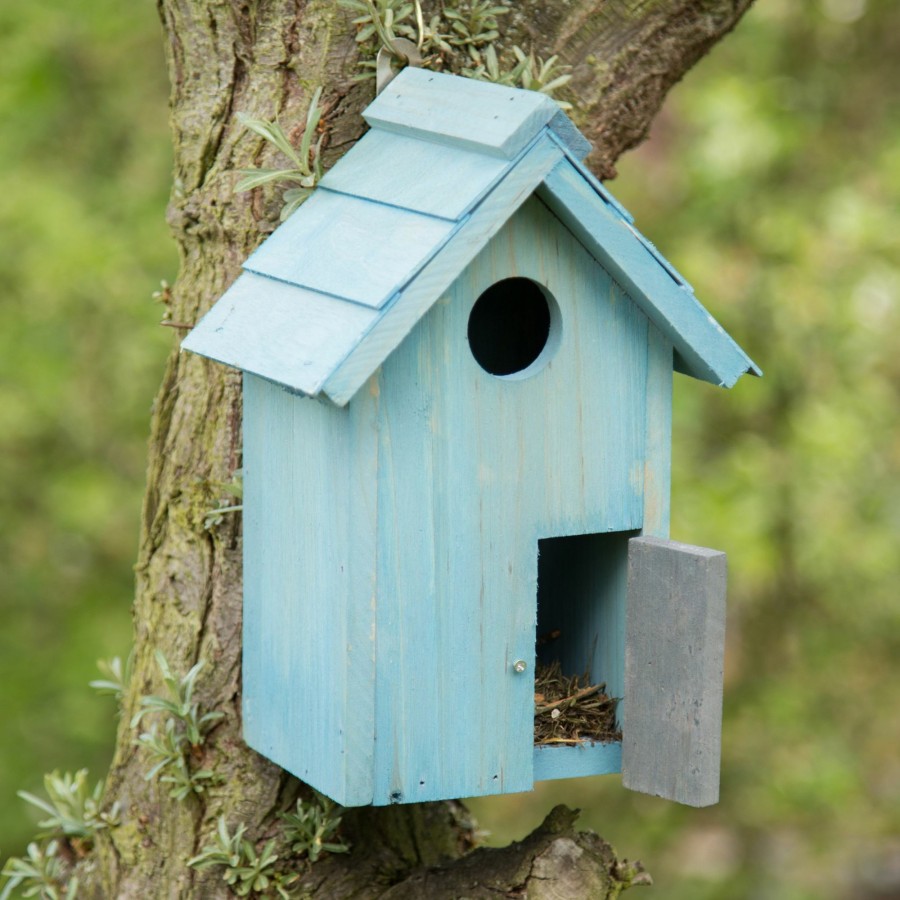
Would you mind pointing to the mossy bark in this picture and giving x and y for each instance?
(266, 58)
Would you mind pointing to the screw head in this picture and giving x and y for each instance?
(519, 666)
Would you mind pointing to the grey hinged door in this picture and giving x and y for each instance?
(674, 650)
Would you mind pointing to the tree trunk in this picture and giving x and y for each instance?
(265, 58)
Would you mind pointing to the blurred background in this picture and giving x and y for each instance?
(771, 180)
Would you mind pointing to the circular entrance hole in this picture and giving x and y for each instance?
(510, 326)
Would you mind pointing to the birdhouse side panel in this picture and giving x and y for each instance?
(474, 469)
(308, 666)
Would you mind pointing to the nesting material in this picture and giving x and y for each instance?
(569, 709)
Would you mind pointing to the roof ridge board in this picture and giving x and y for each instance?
(446, 107)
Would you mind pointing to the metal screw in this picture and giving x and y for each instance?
(520, 666)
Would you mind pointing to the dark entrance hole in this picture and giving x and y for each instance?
(509, 326)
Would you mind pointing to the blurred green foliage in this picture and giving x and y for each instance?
(771, 179)
(83, 243)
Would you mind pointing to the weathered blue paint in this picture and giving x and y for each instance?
(412, 522)
(414, 174)
(376, 250)
(475, 471)
(309, 617)
(408, 307)
(579, 761)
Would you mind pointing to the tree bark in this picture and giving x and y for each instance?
(266, 58)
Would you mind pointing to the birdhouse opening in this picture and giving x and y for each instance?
(514, 328)
(579, 671)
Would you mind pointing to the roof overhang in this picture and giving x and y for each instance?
(335, 289)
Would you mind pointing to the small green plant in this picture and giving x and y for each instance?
(180, 704)
(312, 829)
(474, 26)
(246, 871)
(117, 673)
(41, 873)
(72, 808)
(542, 75)
(306, 170)
(173, 750)
(170, 754)
(383, 19)
(530, 72)
(234, 488)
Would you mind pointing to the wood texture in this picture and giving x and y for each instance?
(376, 235)
(476, 469)
(582, 597)
(458, 475)
(658, 447)
(309, 652)
(408, 307)
(583, 760)
(672, 716)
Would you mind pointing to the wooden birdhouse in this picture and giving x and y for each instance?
(458, 359)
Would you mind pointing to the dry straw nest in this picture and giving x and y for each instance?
(568, 709)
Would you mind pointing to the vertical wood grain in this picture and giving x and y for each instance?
(474, 469)
(671, 735)
(308, 665)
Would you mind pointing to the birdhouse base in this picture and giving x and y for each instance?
(576, 760)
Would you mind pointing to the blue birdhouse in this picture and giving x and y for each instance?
(458, 359)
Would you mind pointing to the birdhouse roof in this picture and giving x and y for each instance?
(447, 161)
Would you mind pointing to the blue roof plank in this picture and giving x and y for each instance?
(707, 352)
(427, 178)
(280, 332)
(461, 112)
(350, 248)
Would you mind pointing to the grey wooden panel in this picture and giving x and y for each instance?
(674, 649)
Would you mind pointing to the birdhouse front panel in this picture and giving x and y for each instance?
(477, 468)
(458, 359)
